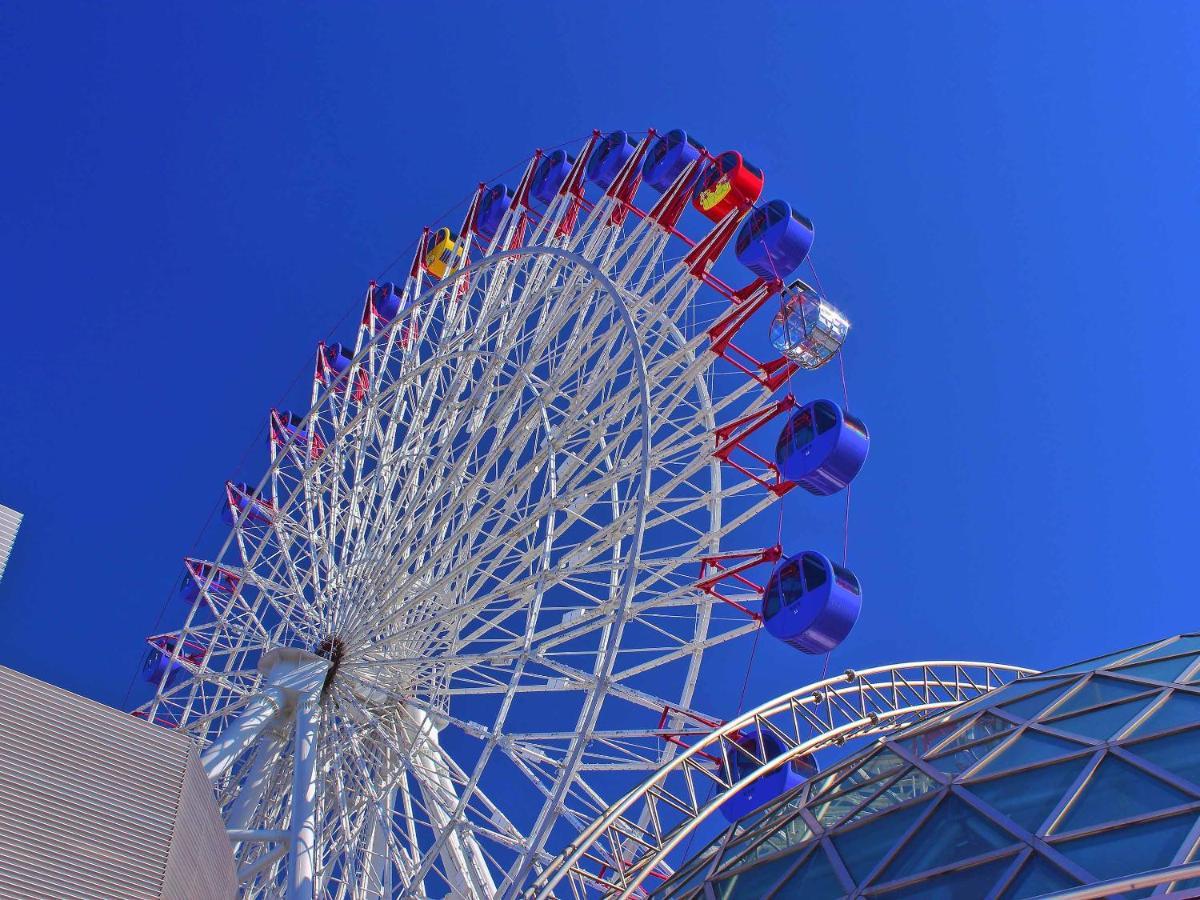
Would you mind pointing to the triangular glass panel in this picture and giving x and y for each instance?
(1188, 643)
(679, 883)
(830, 812)
(1160, 670)
(870, 772)
(976, 881)
(953, 833)
(1038, 877)
(1031, 747)
(757, 880)
(912, 784)
(961, 760)
(1099, 724)
(1180, 709)
(875, 765)
(1099, 689)
(1028, 797)
(1010, 691)
(792, 833)
(922, 742)
(814, 879)
(985, 726)
(863, 846)
(1029, 707)
(1118, 790)
(1176, 753)
(1126, 851)
(1099, 662)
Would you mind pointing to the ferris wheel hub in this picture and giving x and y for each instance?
(333, 649)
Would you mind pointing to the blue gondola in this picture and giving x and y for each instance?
(333, 362)
(386, 300)
(551, 172)
(241, 496)
(197, 573)
(774, 240)
(338, 357)
(608, 156)
(670, 155)
(811, 602)
(822, 448)
(492, 206)
(762, 744)
(158, 662)
(286, 429)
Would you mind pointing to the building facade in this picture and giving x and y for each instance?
(1077, 776)
(10, 521)
(95, 803)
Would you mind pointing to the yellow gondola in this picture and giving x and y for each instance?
(442, 253)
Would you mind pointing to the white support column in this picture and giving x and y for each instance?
(302, 854)
(250, 792)
(463, 859)
(292, 688)
(287, 673)
(242, 732)
(375, 880)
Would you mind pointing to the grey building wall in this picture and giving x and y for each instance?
(95, 803)
(10, 521)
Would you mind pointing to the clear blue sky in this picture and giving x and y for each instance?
(1006, 200)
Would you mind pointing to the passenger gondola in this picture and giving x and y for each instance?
(386, 301)
(729, 183)
(335, 361)
(494, 203)
(442, 253)
(808, 329)
(671, 154)
(762, 744)
(774, 240)
(242, 498)
(822, 448)
(197, 573)
(286, 428)
(608, 156)
(551, 172)
(811, 602)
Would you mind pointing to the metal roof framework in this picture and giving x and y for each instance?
(1079, 782)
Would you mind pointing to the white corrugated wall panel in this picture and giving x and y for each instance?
(90, 798)
(10, 521)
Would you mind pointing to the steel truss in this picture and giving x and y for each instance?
(632, 840)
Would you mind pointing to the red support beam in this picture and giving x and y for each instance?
(573, 186)
(676, 738)
(670, 206)
(418, 262)
(702, 256)
(625, 185)
(468, 225)
(732, 436)
(746, 302)
(521, 195)
(732, 567)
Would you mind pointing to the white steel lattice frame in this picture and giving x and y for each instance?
(513, 492)
(632, 840)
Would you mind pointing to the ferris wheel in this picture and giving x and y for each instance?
(465, 607)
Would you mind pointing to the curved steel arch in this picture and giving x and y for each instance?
(616, 854)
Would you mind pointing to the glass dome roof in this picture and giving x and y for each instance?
(1073, 776)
